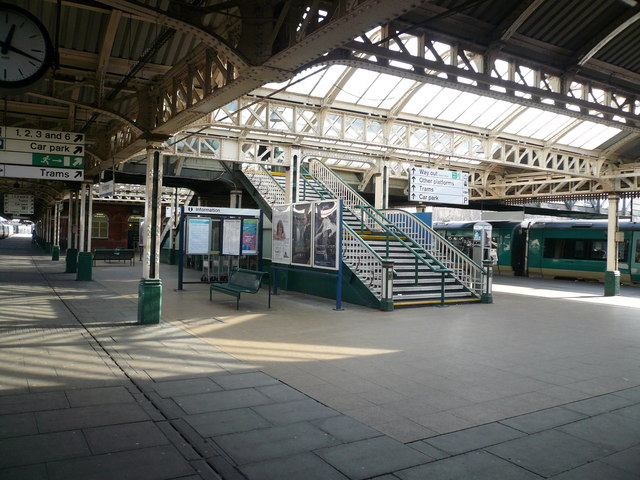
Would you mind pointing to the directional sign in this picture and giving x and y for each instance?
(42, 173)
(41, 135)
(438, 186)
(41, 160)
(33, 146)
(18, 204)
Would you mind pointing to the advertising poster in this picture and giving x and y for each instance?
(231, 230)
(301, 234)
(281, 244)
(249, 236)
(325, 234)
(198, 236)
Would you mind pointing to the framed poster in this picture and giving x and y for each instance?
(281, 244)
(301, 234)
(231, 230)
(326, 227)
(249, 236)
(198, 235)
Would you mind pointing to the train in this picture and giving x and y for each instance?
(573, 249)
(6, 230)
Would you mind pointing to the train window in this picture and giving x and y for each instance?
(637, 260)
(100, 226)
(598, 250)
(623, 251)
(576, 249)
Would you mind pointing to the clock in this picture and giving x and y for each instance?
(25, 49)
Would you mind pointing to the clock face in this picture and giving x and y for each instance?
(25, 48)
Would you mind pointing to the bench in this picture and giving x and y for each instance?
(107, 255)
(240, 281)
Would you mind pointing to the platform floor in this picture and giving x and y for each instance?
(543, 383)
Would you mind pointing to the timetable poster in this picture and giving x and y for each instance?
(301, 234)
(281, 244)
(231, 230)
(198, 236)
(325, 234)
(249, 236)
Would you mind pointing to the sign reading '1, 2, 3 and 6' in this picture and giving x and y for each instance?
(438, 186)
(43, 154)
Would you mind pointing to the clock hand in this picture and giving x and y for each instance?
(7, 42)
(7, 47)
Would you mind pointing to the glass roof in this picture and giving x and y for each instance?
(403, 96)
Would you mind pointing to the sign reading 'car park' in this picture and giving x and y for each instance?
(438, 186)
(41, 154)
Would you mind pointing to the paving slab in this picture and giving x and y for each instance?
(305, 466)
(33, 449)
(370, 457)
(628, 460)
(549, 453)
(275, 442)
(596, 471)
(474, 438)
(128, 436)
(612, 431)
(156, 463)
(293, 412)
(223, 400)
(92, 416)
(543, 419)
(213, 424)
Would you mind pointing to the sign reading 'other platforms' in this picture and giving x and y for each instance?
(18, 204)
(438, 186)
(41, 154)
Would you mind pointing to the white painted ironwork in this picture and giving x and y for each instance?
(362, 260)
(469, 273)
(264, 182)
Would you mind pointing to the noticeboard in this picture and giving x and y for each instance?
(231, 235)
(198, 236)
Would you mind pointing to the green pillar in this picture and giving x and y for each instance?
(173, 256)
(55, 253)
(85, 263)
(72, 260)
(612, 283)
(47, 247)
(149, 300)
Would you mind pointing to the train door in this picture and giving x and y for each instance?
(634, 258)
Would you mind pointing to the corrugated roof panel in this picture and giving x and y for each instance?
(622, 51)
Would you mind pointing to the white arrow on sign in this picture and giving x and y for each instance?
(43, 173)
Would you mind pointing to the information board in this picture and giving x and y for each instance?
(198, 236)
(281, 244)
(231, 234)
(249, 236)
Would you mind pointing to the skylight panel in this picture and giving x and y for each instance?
(588, 135)
(401, 88)
(357, 86)
(544, 125)
(440, 102)
(458, 106)
(479, 106)
(495, 114)
(522, 121)
(421, 98)
(382, 89)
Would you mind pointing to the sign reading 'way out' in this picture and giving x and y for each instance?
(438, 186)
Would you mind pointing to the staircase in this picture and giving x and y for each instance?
(426, 268)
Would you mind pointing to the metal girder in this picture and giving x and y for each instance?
(504, 78)
(209, 78)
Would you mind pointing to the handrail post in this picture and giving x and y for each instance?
(442, 304)
(487, 294)
(386, 303)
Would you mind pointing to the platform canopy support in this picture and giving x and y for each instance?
(612, 275)
(85, 258)
(150, 288)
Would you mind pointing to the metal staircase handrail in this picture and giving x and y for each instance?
(305, 173)
(385, 226)
(270, 190)
(465, 269)
(350, 198)
(362, 260)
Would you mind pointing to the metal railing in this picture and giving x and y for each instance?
(350, 198)
(468, 272)
(264, 182)
(362, 260)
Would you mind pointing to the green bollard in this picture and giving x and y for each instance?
(47, 247)
(55, 253)
(85, 263)
(72, 260)
(149, 301)
(612, 283)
